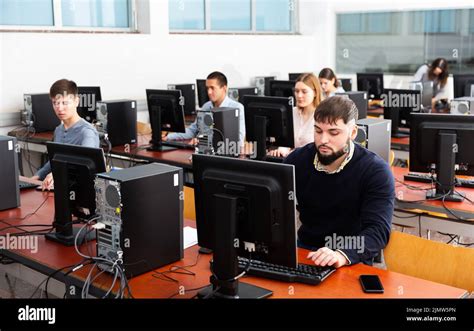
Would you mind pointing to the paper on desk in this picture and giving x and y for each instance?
(190, 236)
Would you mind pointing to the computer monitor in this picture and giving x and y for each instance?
(74, 169)
(88, 97)
(244, 205)
(294, 75)
(202, 92)
(346, 84)
(372, 83)
(282, 88)
(165, 108)
(463, 85)
(188, 91)
(442, 144)
(398, 106)
(269, 122)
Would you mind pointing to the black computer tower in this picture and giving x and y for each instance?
(39, 112)
(88, 98)
(188, 92)
(360, 100)
(227, 121)
(375, 135)
(141, 212)
(118, 119)
(219, 131)
(9, 191)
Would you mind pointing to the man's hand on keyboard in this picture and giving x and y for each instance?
(327, 257)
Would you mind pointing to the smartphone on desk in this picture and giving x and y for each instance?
(371, 283)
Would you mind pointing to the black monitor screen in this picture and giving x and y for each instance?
(441, 144)
(265, 211)
(295, 75)
(202, 92)
(398, 106)
(74, 169)
(372, 83)
(168, 103)
(188, 91)
(282, 88)
(463, 85)
(88, 97)
(425, 141)
(269, 121)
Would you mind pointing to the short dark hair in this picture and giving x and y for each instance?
(63, 86)
(335, 108)
(219, 76)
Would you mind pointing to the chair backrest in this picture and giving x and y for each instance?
(430, 260)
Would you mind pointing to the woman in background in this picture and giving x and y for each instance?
(329, 83)
(437, 72)
(308, 95)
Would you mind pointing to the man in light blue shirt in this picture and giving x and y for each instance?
(216, 85)
(73, 129)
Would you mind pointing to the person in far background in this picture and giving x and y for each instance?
(329, 83)
(308, 96)
(437, 72)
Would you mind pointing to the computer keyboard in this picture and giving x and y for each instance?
(25, 185)
(178, 144)
(426, 178)
(304, 273)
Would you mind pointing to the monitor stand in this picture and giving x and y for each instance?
(225, 271)
(445, 174)
(157, 145)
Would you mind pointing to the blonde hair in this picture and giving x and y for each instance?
(312, 81)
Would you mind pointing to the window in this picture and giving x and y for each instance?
(370, 23)
(274, 15)
(26, 12)
(95, 13)
(67, 14)
(186, 14)
(231, 15)
(434, 21)
(401, 41)
(246, 16)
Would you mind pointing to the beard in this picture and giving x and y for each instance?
(327, 159)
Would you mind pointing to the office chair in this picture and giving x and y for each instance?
(430, 260)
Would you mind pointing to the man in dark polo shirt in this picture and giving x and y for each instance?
(345, 193)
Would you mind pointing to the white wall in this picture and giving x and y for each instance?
(124, 65)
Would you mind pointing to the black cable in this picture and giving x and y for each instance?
(404, 217)
(452, 212)
(51, 275)
(30, 214)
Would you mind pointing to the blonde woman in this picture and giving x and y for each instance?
(308, 95)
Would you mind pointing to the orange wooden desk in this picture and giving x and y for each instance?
(343, 283)
(434, 214)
